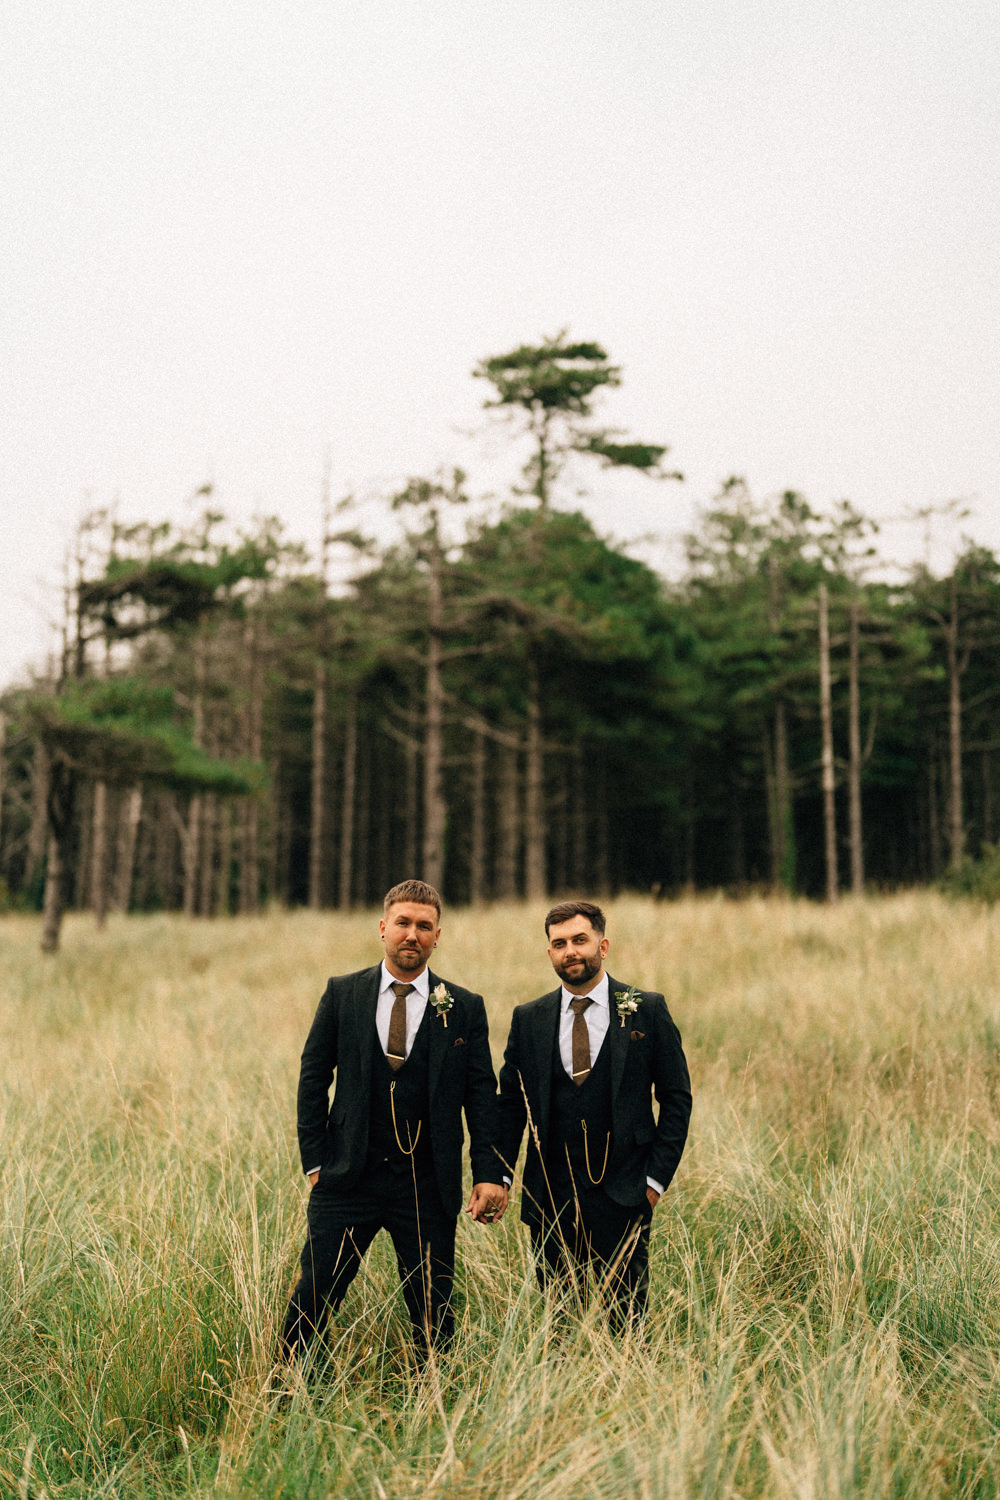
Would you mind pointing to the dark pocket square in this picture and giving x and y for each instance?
(459, 1041)
(636, 1036)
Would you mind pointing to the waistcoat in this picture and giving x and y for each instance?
(574, 1105)
(405, 1093)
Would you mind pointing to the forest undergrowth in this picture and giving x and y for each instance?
(824, 1314)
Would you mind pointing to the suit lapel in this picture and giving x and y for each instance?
(618, 1040)
(442, 1036)
(367, 1005)
(545, 1019)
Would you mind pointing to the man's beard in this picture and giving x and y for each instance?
(408, 958)
(588, 967)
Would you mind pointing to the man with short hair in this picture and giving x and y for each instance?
(410, 1052)
(580, 1068)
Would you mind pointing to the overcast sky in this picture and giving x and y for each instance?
(237, 236)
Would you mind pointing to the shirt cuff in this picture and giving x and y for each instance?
(656, 1186)
(507, 1181)
(312, 1170)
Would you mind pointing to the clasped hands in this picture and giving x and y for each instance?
(488, 1203)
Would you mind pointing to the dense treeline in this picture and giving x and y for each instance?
(513, 706)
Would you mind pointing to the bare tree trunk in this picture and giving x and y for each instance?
(40, 773)
(206, 884)
(933, 811)
(192, 841)
(534, 805)
(412, 801)
(435, 812)
(250, 841)
(773, 820)
(956, 828)
(60, 803)
(225, 869)
(277, 840)
(384, 830)
(129, 817)
(77, 862)
(99, 854)
(782, 832)
(784, 848)
(826, 722)
(142, 870)
(318, 807)
(363, 861)
(249, 857)
(854, 759)
(191, 844)
(348, 787)
(508, 824)
(54, 899)
(477, 849)
(169, 831)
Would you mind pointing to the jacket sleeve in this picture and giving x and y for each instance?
(319, 1060)
(672, 1088)
(513, 1106)
(480, 1095)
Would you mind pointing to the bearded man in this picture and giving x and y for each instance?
(581, 1068)
(410, 1052)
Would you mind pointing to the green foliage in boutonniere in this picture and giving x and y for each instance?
(442, 1002)
(626, 1003)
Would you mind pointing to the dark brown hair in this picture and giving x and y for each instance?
(413, 890)
(566, 909)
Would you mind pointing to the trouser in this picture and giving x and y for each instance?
(585, 1233)
(341, 1226)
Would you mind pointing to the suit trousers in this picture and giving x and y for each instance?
(583, 1233)
(340, 1228)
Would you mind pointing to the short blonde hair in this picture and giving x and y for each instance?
(412, 890)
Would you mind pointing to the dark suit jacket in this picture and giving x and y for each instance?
(342, 1040)
(646, 1059)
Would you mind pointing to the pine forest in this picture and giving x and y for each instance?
(502, 700)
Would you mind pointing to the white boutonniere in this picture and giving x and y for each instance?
(442, 1002)
(626, 1003)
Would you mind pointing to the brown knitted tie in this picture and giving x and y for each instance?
(396, 1047)
(581, 1039)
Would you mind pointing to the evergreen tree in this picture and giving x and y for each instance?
(549, 390)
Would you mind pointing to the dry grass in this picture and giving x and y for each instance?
(825, 1319)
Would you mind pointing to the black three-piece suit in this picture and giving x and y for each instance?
(389, 1148)
(591, 1148)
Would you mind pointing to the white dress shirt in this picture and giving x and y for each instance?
(597, 1016)
(416, 1004)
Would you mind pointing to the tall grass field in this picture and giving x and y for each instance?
(825, 1292)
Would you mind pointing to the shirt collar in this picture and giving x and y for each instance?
(598, 995)
(421, 983)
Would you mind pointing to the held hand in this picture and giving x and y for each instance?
(488, 1202)
(313, 1179)
(652, 1197)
